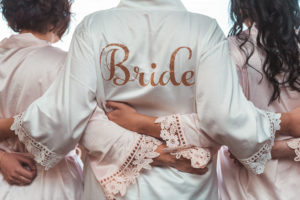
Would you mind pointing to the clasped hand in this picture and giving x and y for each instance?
(18, 168)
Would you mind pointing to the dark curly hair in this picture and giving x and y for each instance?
(278, 23)
(41, 16)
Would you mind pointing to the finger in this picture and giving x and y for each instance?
(110, 115)
(23, 180)
(21, 171)
(203, 171)
(116, 105)
(13, 180)
(197, 171)
(191, 170)
(27, 155)
(28, 162)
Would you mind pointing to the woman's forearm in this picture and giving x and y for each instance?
(290, 123)
(146, 125)
(281, 150)
(5, 131)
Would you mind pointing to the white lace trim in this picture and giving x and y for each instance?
(172, 133)
(295, 145)
(140, 158)
(199, 157)
(42, 154)
(256, 163)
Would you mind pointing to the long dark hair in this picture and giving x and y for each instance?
(41, 16)
(277, 22)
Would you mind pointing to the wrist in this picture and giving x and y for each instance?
(281, 150)
(285, 127)
(164, 159)
(140, 123)
(146, 125)
(5, 125)
(2, 154)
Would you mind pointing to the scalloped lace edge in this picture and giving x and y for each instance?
(295, 145)
(172, 133)
(139, 159)
(256, 163)
(42, 154)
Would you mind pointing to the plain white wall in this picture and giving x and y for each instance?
(217, 9)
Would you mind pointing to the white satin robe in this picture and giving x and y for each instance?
(161, 59)
(28, 66)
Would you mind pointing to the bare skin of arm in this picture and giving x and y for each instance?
(5, 131)
(128, 118)
(281, 150)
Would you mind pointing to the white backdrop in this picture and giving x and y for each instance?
(217, 9)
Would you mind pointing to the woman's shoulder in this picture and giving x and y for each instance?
(235, 51)
(51, 54)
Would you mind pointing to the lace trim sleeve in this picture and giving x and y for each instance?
(139, 159)
(295, 145)
(256, 163)
(42, 154)
(172, 133)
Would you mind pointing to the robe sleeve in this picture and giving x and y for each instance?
(183, 137)
(117, 156)
(223, 110)
(53, 125)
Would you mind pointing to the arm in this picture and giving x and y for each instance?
(5, 131)
(226, 114)
(128, 118)
(196, 147)
(282, 149)
(117, 156)
(52, 126)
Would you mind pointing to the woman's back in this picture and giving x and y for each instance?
(28, 66)
(280, 175)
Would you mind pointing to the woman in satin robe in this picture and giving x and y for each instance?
(28, 66)
(267, 59)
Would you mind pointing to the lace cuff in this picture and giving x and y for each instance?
(295, 145)
(256, 163)
(172, 133)
(42, 154)
(140, 158)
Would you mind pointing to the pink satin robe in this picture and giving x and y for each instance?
(281, 177)
(28, 66)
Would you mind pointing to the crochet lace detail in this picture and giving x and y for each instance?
(42, 154)
(295, 144)
(172, 133)
(139, 159)
(256, 163)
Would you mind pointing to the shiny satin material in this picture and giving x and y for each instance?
(160, 183)
(27, 68)
(162, 60)
(281, 177)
